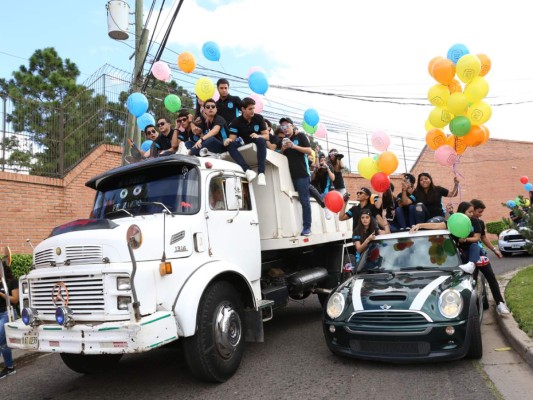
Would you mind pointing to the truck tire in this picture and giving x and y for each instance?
(214, 353)
(90, 364)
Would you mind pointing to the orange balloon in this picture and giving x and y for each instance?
(443, 71)
(487, 134)
(457, 143)
(455, 87)
(475, 136)
(432, 63)
(387, 162)
(186, 62)
(485, 64)
(435, 138)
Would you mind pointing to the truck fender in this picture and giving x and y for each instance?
(188, 298)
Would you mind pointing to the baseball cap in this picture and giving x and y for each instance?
(366, 190)
(286, 119)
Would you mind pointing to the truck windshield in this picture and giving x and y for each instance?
(177, 188)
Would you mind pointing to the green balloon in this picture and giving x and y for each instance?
(518, 201)
(308, 128)
(172, 103)
(460, 126)
(449, 248)
(459, 225)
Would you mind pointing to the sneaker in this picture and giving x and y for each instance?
(469, 267)
(306, 232)
(502, 309)
(250, 175)
(261, 181)
(10, 371)
(327, 213)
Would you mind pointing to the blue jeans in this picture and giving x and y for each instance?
(260, 143)
(212, 144)
(4, 350)
(419, 214)
(302, 187)
(472, 254)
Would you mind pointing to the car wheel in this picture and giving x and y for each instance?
(90, 364)
(214, 353)
(476, 344)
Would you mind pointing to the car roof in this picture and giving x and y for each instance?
(408, 234)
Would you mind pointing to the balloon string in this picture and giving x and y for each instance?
(221, 66)
(455, 173)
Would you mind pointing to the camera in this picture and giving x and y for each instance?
(346, 196)
(339, 156)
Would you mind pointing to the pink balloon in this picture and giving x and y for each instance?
(161, 70)
(380, 140)
(216, 96)
(321, 131)
(258, 103)
(254, 69)
(446, 155)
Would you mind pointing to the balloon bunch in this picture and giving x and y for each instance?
(528, 186)
(378, 168)
(462, 110)
(440, 249)
(161, 71)
(137, 105)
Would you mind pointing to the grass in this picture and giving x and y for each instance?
(519, 298)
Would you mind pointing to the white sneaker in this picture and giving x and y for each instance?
(502, 309)
(469, 267)
(327, 213)
(261, 181)
(250, 175)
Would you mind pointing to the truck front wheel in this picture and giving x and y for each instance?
(215, 351)
(90, 363)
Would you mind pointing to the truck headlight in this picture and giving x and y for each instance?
(25, 287)
(123, 283)
(134, 236)
(122, 302)
(450, 303)
(30, 316)
(64, 316)
(335, 305)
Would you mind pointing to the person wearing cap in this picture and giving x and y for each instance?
(296, 149)
(228, 106)
(250, 128)
(338, 166)
(363, 198)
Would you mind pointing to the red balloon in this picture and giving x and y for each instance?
(380, 182)
(334, 201)
(524, 180)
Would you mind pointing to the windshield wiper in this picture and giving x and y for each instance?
(421, 268)
(119, 210)
(157, 203)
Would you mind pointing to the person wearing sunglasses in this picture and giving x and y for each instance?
(214, 131)
(151, 135)
(363, 199)
(228, 106)
(163, 143)
(187, 132)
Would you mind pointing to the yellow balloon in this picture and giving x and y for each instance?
(468, 67)
(477, 89)
(367, 167)
(457, 103)
(438, 95)
(428, 126)
(205, 89)
(387, 162)
(439, 117)
(479, 113)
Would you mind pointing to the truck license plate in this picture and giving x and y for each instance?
(29, 340)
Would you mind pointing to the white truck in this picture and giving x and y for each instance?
(177, 247)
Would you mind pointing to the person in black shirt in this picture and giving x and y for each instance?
(338, 165)
(272, 141)
(363, 197)
(185, 131)
(214, 131)
(163, 143)
(228, 106)
(13, 293)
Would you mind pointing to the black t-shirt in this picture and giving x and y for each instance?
(206, 126)
(186, 136)
(322, 181)
(11, 285)
(433, 201)
(298, 162)
(165, 142)
(242, 128)
(481, 226)
(355, 212)
(476, 228)
(339, 180)
(229, 108)
(273, 139)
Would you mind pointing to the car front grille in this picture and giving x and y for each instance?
(388, 321)
(515, 238)
(390, 348)
(87, 254)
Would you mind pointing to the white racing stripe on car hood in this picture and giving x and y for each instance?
(356, 295)
(423, 295)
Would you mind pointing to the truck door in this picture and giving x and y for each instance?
(233, 226)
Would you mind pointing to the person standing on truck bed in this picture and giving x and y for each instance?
(296, 149)
(250, 128)
(228, 106)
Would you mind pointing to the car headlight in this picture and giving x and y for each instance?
(335, 305)
(450, 303)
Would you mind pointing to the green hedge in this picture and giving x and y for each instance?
(21, 264)
(497, 227)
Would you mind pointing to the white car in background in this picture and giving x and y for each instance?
(511, 241)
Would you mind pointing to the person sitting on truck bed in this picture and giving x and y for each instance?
(163, 143)
(248, 128)
(214, 129)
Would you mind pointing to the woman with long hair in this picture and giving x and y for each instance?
(338, 165)
(13, 293)
(366, 230)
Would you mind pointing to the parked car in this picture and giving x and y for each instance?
(511, 241)
(408, 301)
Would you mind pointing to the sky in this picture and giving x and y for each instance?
(376, 50)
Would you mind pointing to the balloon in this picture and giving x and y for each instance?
(477, 89)
(380, 140)
(321, 131)
(518, 201)
(308, 128)
(216, 95)
(456, 52)
(435, 138)
(428, 126)
(524, 179)
(446, 155)
(456, 143)
(137, 104)
(528, 187)
(479, 113)
(439, 117)
(486, 132)
(380, 182)
(205, 89)
(527, 203)
(455, 87)
(211, 51)
(510, 204)
(457, 103)
(438, 95)
(257, 81)
(459, 225)
(485, 64)
(475, 136)
(258, 103)
(186, 62)
(311, 117)
(460, 126)
(367, 167)
(144, 120)
(432, 63)
(443, 71)
(172, 103)
(161, 70)
(387, 162)
(254, 69)
(468, 67)
(334, 201)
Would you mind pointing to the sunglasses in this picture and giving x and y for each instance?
(210, 106)
(161, 123)
(183, 119)
(151, 132)
(284, 127)
(358, 193)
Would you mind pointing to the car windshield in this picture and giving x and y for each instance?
(156, 190)
(410, 254)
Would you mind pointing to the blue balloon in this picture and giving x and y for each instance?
(257, 81)
(456, 52)
(137, 104)
(211, 51)
(511, 204)
(528, 186)
(145, 120)
(311, 117)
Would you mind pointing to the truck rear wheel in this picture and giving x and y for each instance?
(214, 353)
(90, 364)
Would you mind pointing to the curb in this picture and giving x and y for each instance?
(519, 340)
(23, 356)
